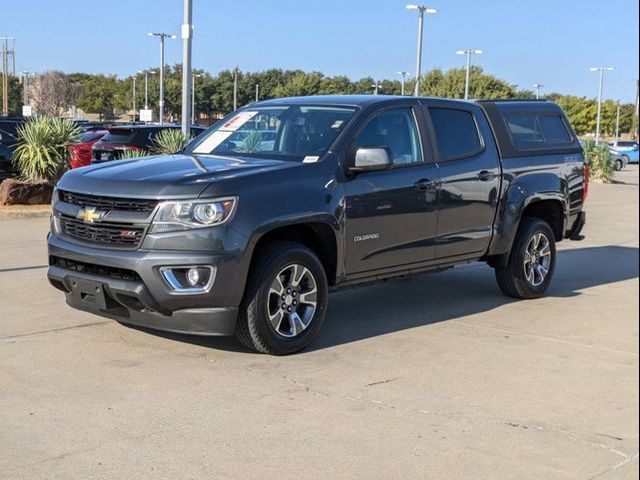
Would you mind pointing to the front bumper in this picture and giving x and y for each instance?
(144, 298)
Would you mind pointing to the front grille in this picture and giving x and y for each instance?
(111, 234)
(108, 203)
(101, 270)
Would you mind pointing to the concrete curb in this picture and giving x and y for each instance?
(17, 213)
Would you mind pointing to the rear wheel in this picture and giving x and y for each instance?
(618, 165)
(531, 263)
(285, 302)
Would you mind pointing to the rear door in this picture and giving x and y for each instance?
(470, 176)
(391, 214)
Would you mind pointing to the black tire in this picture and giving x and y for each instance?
(254, 328)
(512, 278)
(618, 165)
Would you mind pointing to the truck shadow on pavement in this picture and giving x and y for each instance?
(396, 305)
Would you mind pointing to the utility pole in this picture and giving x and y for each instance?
(235, 88)
(404, 78)
(537, 86)
(421, 10)
(598, 117)
(467, 80)
(161, 101)
(618, 120)
(187, 80)
(5, 73)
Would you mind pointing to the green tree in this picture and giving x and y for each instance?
(100, 94)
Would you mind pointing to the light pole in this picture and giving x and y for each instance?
(134, 98)
(618, 120)
(376, 86)
(187, 80)
(235, 87)
(404, 79)
(25, 87)
(193, 97)
(421, 10)
(146, 86)
(601, 70)
(537, 86)
(161, 101)
(257, 92)
(467, 80)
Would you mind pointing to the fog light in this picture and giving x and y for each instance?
(189, 279)
(193, 276)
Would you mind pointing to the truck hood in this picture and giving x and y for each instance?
(163, 176)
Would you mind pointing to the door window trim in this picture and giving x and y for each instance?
(474, 153)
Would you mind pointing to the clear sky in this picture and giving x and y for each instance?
(553, 42)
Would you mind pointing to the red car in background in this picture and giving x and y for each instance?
(81, 151)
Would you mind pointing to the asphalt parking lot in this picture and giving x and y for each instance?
(437, 377)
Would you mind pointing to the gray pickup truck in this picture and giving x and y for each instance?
(247, 230)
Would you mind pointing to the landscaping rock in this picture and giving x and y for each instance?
(14, 192)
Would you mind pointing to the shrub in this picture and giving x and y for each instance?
(42, 153)
(128, 154)
(170, 140)
(600, 162)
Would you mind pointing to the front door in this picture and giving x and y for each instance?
(391, 215)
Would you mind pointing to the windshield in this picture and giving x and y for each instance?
(287, 132)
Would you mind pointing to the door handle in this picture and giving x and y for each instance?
(424, 184)
(486, 175)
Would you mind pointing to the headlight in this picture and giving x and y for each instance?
(188, 214)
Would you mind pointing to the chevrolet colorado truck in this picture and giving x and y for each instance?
(248, 229)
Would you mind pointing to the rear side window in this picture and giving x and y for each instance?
(535, 130)
(456, 133)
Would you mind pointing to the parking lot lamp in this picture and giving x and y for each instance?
(257, 92)
(618, 120)
(421, 10)
(404, 79)
(134, 98)
(193, 97)
(598, 116)
(162, 36)
(467, 80)
(537, 86)
(235, 87)
(146, 86)
(25, 87)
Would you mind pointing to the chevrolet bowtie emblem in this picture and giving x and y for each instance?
(90, 214)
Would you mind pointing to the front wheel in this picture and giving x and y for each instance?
(285, 302)
(531, 263)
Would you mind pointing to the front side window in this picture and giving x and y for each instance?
(288, 132)
(397, 131)
(456, 133)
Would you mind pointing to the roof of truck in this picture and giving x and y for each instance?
(345, 100)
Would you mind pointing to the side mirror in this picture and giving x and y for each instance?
(370, 159)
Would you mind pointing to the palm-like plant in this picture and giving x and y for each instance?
(168, 141)
(600, 162)
(252, 143)
(42, 153)
(129, 154)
